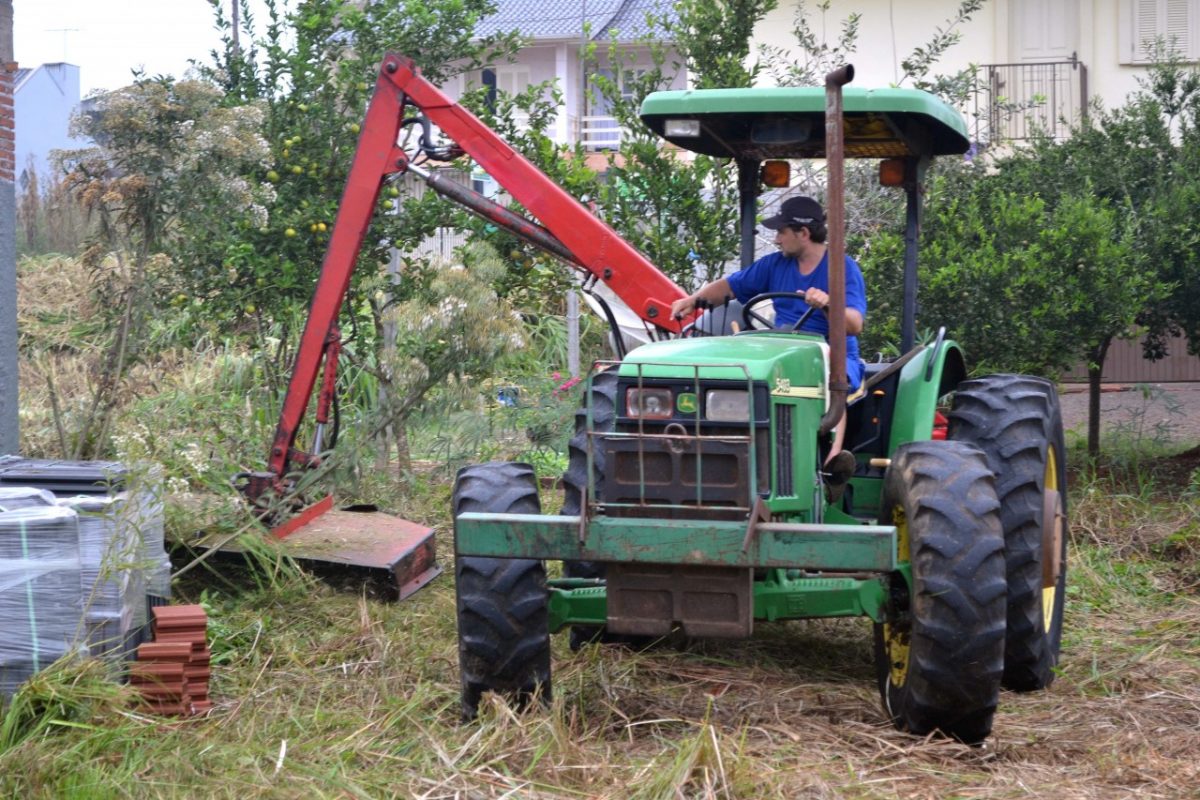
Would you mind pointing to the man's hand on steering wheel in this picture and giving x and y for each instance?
(812, 297)
(816, 298)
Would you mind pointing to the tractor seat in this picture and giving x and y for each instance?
(880, 371)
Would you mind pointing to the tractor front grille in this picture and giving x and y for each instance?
(785, 485)
(680, 475)
(680, 458)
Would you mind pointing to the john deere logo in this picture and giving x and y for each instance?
(686, 403)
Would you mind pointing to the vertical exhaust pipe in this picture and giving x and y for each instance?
(835, 214)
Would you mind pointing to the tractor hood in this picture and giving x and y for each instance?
(786, 362)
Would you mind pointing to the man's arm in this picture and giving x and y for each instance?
(820, 299)
(717, 293)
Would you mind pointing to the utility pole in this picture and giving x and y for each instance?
(233, 15)
(581, 109)
(9, 404)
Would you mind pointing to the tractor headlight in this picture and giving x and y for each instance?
(656, 403)
(680, 128)
(727, 405)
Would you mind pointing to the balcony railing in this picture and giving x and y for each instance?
(1015, 101)
(596, 132)
(600, 133)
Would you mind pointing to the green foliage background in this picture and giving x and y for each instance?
(216, 196)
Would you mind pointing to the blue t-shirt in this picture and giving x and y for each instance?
(779, 273)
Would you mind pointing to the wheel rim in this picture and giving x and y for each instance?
(1052, 538)
(896, 640)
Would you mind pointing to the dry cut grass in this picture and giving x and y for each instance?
(328, 695)
(322, 694)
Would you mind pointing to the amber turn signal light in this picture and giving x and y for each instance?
(891, 172)
(776, 174)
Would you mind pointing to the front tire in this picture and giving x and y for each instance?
(602, 395)
(502, 603)
(1016, 421)
(940, 656)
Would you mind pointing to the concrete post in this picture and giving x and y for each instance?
(573, 333)
(8, 235)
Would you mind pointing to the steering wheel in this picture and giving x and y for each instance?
(750, 316)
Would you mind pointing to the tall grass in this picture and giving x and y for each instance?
(321, 694)
(325, 694)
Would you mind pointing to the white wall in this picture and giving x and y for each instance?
(888, 32)
(541, 62)
(44, 103)
(1109, 80)
(559, 62)
(890, 29)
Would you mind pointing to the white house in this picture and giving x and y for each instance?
(558, 33)
(1061, 52)
(44, 100)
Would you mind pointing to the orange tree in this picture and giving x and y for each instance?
(1139, 161)
(1041, 259)
(311, 71)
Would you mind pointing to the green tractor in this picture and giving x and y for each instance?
(696, 496)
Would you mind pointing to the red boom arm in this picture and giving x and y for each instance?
(592, 244)
(597, 247)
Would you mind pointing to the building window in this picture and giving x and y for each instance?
(512, 78)
(1143, 22)
(629, 79)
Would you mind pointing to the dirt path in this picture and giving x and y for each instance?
(1168, 413)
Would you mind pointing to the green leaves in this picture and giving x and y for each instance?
(310, 71)
(1038, 260)
(714, 38)
(1026, 284)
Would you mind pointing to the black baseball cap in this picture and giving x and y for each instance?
(796, 211)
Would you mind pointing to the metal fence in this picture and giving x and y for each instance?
(1014, 102)
(1126, 363)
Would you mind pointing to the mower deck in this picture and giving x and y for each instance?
(351, 548)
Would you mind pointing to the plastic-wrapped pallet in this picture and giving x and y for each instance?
(14, 497)
(124, 559)
(39, 590)
(112, 583)
(146, 489)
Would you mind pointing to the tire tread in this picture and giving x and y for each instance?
(502, 603)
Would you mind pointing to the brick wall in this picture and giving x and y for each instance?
(7, 122)
(9, 427)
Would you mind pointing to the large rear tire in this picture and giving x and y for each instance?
(503, 624)
(939, 657)
(1016, 421)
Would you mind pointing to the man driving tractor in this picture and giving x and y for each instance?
(801, 265)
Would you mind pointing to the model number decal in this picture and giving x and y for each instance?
(784, 388)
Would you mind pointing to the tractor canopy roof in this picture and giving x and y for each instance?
(761, 124)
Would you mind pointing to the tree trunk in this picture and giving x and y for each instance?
(403, 456)
(1095, 371)
(385, 332)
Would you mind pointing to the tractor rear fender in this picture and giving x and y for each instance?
(923, 381)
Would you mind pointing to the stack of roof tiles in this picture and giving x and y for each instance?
(39, 588)
(172, 671)
(628, 20)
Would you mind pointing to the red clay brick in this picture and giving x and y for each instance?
(164, 651)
